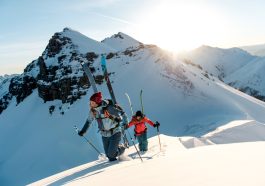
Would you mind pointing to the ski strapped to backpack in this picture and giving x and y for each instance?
(89, 76)
(141, 100)
(93, 84)
(111, 92)
(106, 76)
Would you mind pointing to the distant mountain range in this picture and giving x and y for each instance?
(258, 50)
(234, 66)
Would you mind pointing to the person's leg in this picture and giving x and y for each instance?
(113, 148)
(140, 141)
(144, 142)
(105, 141)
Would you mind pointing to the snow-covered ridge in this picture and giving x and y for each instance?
(258, 50)
(219, 62)
(250, 78)
(121, 41)
(86, 44)
(234, 66)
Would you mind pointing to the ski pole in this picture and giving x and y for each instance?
(158, 134)
(89, 142)
(135, 146)
(141, 100)
(126, 142)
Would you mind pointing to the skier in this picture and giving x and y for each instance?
(139, 120)
(112, 117)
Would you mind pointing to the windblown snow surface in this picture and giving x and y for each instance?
(227, 164)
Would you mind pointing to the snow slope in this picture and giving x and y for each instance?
(186, 100)
(233, 132)
(219, 62)
(250, 78)
(233, 164)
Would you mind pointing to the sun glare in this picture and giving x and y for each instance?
(178, 27)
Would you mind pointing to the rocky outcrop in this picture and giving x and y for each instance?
(21, 87)
(4, 101)
(250, 91)
(57, 74)
(64, 79)
(56, 44)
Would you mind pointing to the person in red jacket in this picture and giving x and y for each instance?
(140, 130)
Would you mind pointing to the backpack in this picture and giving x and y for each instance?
(111, 110)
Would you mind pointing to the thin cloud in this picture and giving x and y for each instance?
(114, 18)
(21, 47)
(84, 5)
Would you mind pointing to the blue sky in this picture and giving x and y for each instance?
(27, 25)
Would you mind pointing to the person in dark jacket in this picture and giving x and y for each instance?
(110, 118)
(140, 130)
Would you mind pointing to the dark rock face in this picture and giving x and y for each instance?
(61, 78)
(64, 80)
(253, 92)
(43, 69)
(55, 90)
(118, 36)
(111, 55)
(21, 87)
(4, 101)
(91, 56)
(130, 51)
(29, 67)
(56, 44)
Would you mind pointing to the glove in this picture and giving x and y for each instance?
(80, 133)
(117, 119)
(125, 127)
(157, 124)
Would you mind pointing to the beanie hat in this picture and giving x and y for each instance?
(97, 97)
(139, 113)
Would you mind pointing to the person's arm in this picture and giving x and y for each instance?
(132, 122)
(147, 120)
(86, 125)
(125, 120)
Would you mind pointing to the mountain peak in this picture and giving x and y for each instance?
(66, 29)
(121, 41)
(84, 43)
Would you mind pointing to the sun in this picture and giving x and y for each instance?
(178, 26)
